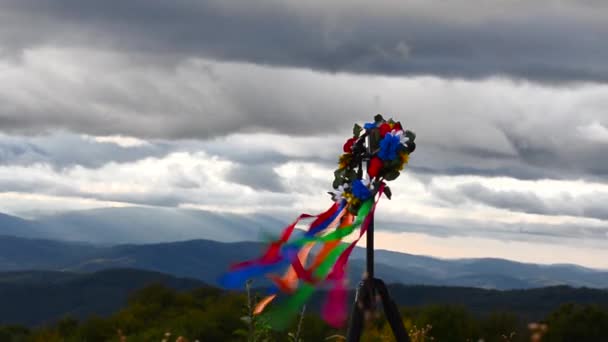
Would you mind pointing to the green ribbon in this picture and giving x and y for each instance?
(280, 317)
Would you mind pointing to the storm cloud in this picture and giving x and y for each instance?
(591, 204)
(544, 40)
(494, 127)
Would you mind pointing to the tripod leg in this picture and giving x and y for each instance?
(391, 311)
(355, 326)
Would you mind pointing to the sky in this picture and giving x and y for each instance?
(243, 106)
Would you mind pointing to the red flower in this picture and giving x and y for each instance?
(397, 126)
(348, 146)
(375, 165)
(385, 128)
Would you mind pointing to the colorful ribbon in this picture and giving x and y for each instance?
(384, 146)
(299, 281)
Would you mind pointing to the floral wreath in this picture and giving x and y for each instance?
(384, 147)
(388, 150)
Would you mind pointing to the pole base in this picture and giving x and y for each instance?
(365, 299)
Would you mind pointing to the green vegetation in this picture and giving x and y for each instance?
(158, 313)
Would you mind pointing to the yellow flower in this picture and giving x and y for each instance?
(350, 199)
(345, 160)
(405, 158)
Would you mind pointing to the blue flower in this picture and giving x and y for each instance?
(389, 146)
(360, 190)
(369, 125)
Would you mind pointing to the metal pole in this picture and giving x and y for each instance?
(370, 248)
(370, 228)
(366, 293)
(374, 287)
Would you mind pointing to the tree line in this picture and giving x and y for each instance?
(158, 313)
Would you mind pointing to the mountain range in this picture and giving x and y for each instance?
(201, 245)
(88, 262)
(207, 260)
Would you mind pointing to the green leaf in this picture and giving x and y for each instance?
(374, 139)
(357, 130)
(392, 164)
(351, 175)
(337, 182)
(388, 192)
(410, 135)
(411, 147)
(392, 175)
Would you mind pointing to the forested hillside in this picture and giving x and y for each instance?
(103, 306)
(158, 313)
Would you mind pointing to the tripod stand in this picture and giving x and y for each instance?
(365, 299)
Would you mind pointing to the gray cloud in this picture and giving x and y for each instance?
(65, 189)
(560, 151)
(62, 150)
(590, 205)
(580, 234)
(258, 177)
(542, 40)
(470, 131)
(275, 203)
(85, 67)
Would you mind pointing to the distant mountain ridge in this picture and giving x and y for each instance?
(206, 260)
(140, 225)
(16, 226)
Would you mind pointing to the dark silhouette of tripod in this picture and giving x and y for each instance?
(365, 299)
(370, 287)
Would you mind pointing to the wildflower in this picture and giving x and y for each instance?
(374, 167)
(338, 194)
(369, 125)
(351, 199)
(405, 158)
(385, 128)
(403, 139)
(345, 160)
(360, 189)
(389, 146)
(348, 146)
